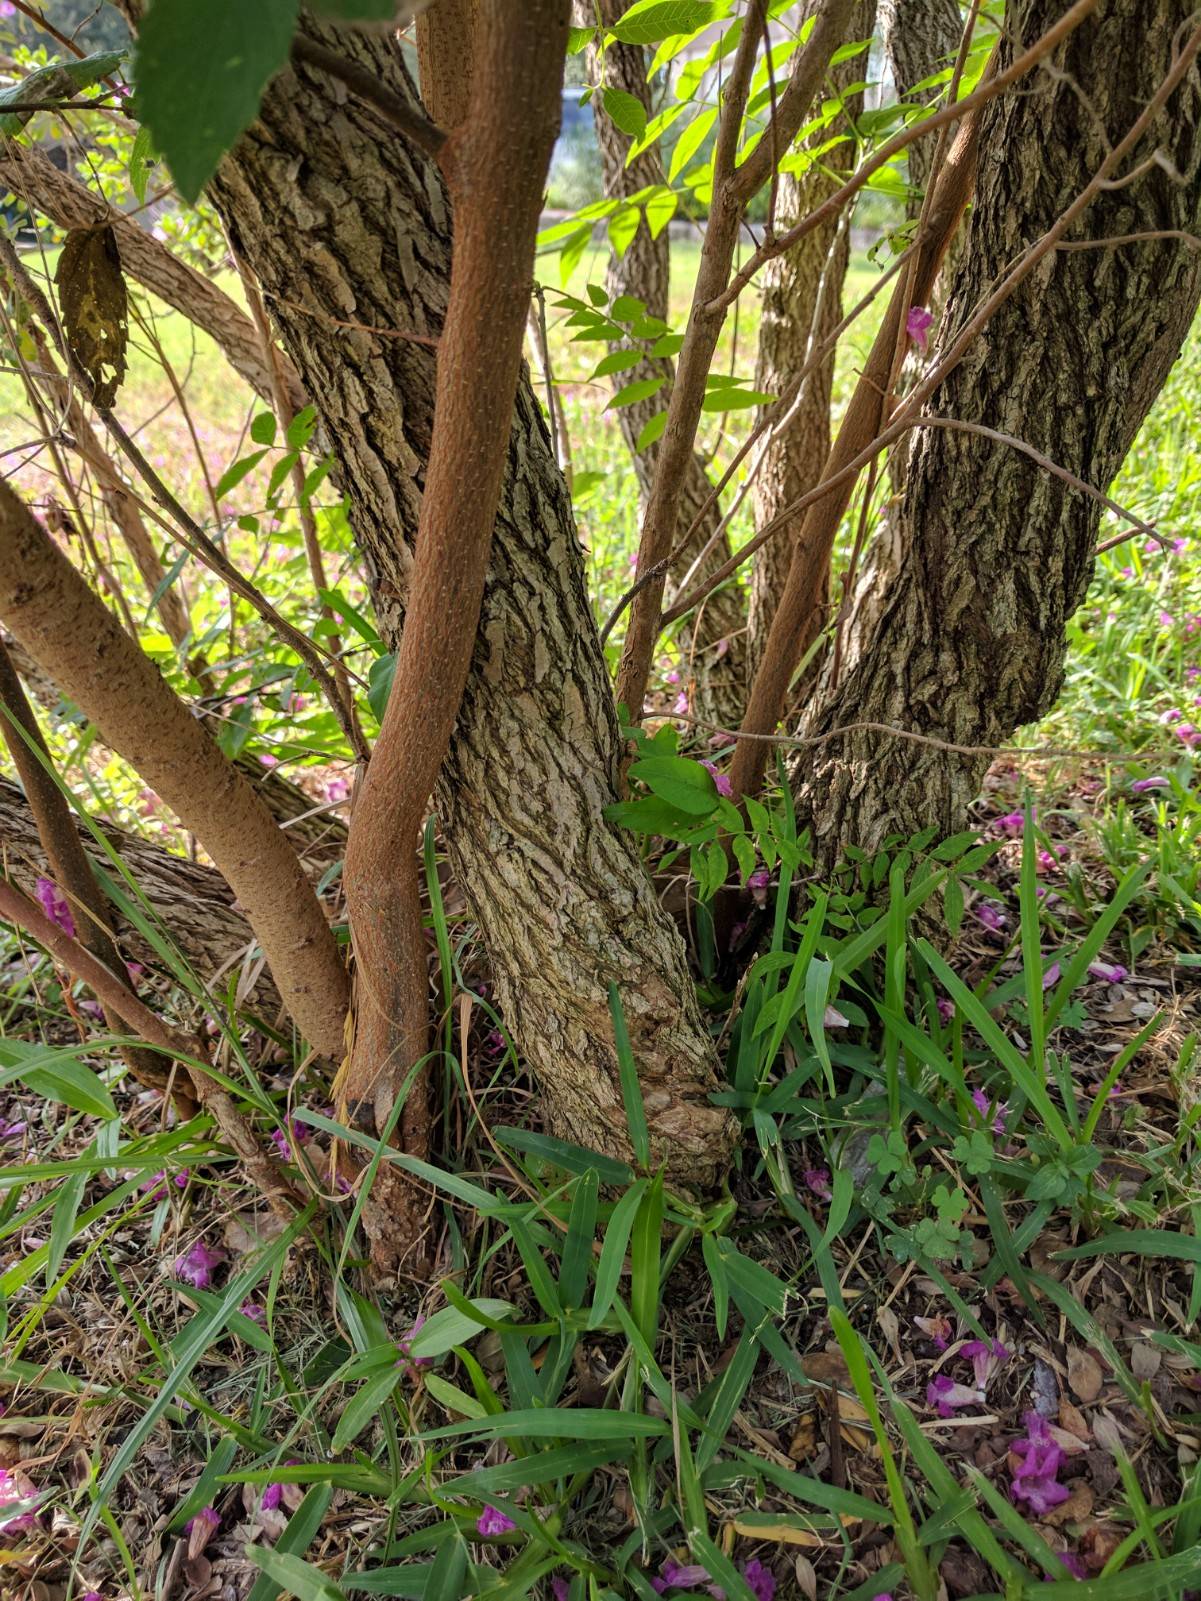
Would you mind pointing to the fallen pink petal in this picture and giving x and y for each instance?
(493, 1521)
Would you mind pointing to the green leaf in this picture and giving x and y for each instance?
(294, 1574)
(640, 389)
(59, 81)
(450, 1327)
(631, 1089)
(665, 19)
(234, 474)
(625, 111)
(262, 428)
(732, 397)
(617, 361)
(364, 1405)
(139, 163)
(578, 39)
(682, 783)
(652, 431)
(690, 142)
(554, 1423)
(379, 683)
(201, 71)
(58, 1076)
(539, 1468)
(1137, 1242)
(612, 1257)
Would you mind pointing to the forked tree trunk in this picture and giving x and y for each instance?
(348, 231)
(998, 553)
(802, 305)
(713, 663)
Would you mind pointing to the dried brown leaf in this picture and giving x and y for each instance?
(1084, 1374)
(95, 307)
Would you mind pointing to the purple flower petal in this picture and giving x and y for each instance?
(196, 1266)
(724, 787)
(55, 905)
(1142, 785)
(918, 323)
(492, 1521)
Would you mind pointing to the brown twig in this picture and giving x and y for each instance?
(16, 909)
(732, 188)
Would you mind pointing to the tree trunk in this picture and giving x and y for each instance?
(713, 644)
(347, 228)
(802, 305)
(191, 903)
(920, 38)
(997, 553)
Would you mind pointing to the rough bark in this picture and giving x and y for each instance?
(802, 305)
(997, 553)
(70, 204)
(713, 645)
(318, 840)
(343, 223)
(50, 609)
(191, 903)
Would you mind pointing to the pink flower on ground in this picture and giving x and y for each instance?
(674, 1575)
(273, 1494)
(1142, 785)
(937, 1329)
(817, 1179)
(833, 1018)
(986, 1357)
(55, 905)
(1011, 824)
(12, 1492)
(492, 1521)
(983, 1105)
(681, 705)
(761, 1581)
(9, 1131)
(946, 1396)
(1188, 732)
(991, 916)
(1073, 1564)
(1036, 1481)
(724, 787)
(300, 1132)
(1109, 973)
(1051, 975)
(405, 1346)
(196, 1266)
(255, 1312)
(205, 1519)
(560, 1589)
(92, 1595)
(268, 760)
(918, 323)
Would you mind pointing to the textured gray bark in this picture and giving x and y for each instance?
(348, 231)
(995, 553)
(191, 902)
(802, 305)
(713, 647)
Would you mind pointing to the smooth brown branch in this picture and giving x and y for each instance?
(920, 130)
(771, 419)
(118, 999)
(705, 322)
(861, 425)
(515, 110)
(73, 637)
